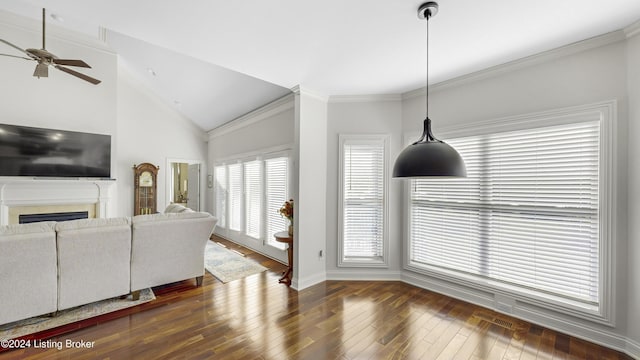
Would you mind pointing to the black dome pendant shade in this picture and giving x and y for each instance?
(428, 157)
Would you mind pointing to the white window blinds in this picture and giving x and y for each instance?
(276, 171)
(526, 216)
(220, 191)
(248, 195)
(253, 198)
(235, 197)
(362, 200)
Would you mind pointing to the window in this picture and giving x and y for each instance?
(362, 219)
(235, 196)
(220, 192)
(253, 198)
(527, 219)
(248, 195)
(277, 191)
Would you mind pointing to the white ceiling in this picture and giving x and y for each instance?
(331, 47)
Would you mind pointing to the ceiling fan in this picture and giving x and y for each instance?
(46, 59)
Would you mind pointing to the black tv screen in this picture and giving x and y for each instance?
(28, 151)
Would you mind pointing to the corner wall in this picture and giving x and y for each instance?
(310, 167)
(633, 253)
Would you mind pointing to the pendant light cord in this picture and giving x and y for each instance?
(427, 76)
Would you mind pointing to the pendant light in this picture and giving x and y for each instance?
(428, 156)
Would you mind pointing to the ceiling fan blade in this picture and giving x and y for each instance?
(68, 62)
(15, 56)
(79, 75)
(14, 46)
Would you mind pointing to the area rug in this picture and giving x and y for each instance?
(226, 265)
(41, 323)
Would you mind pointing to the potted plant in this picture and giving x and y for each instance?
(287, 211)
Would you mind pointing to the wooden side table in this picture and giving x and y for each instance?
(284, 237)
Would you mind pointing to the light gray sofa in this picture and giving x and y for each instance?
(52, 266)
(166, 248)
(28, 271)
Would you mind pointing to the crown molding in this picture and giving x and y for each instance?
(632, 30)
(364, 98)
(546, 56)
(299, 90)
(273, 108)
(54, 31)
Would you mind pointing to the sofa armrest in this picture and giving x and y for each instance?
(168, 247)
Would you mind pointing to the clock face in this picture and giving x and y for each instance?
(146, 179)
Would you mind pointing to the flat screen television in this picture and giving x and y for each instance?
(29, 151)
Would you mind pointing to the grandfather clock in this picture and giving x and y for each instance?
(145, 189)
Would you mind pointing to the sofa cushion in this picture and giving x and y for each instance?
(28, 271)
(92, 223)
(138, 219)
(33, 228)
(176, 208)
(94, 258)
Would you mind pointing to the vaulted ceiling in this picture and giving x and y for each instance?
(215, 60)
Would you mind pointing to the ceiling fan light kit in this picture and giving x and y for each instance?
(42, 70)
(45, 59)
(428, 157)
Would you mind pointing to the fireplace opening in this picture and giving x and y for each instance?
(60, 216)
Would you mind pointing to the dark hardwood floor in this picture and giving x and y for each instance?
(258, 318)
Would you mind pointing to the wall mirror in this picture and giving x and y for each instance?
(183, 183)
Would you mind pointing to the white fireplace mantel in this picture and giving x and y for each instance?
(18, 191)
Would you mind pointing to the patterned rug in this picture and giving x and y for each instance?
(226, 265)
(41, 323)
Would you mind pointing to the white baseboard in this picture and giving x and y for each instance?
(364, 275)
(548, 319)
(300, 284)
(633, 349)
(475, 297)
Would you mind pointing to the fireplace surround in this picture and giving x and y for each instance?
(20, 196)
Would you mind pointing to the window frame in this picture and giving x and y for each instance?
(367, 139)
(604, 313)
(230, 217)
(274, 155)
(223, 218)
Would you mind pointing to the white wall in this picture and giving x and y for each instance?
(269, 127)
(310, 221)
(633, 254)
(151, 131)
(555, 80)
(117, 106)
(364, 115)
(263, 130)
(545, 82)
(60, 101)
